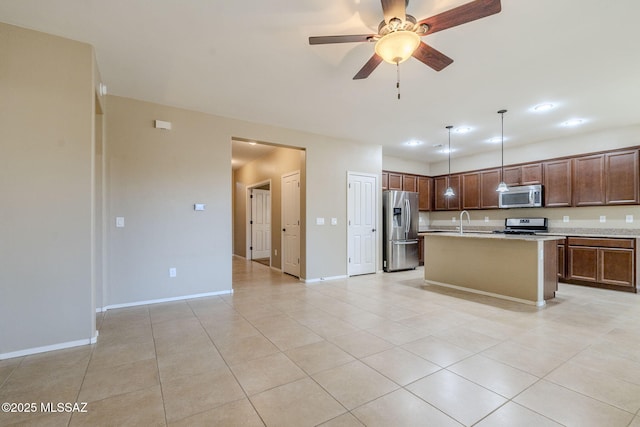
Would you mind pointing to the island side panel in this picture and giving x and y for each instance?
(550, 269)
(500, 266)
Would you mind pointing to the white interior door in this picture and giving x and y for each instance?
(362, 223)
(291, 223)
(260, 223)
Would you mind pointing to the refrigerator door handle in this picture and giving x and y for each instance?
(407, 223)
(405, 242)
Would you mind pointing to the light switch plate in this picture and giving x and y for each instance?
(199, 206)
(173, 272)
(334, 221)
(119, 221)
(319, 221)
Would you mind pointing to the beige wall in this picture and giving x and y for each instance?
(270, 167)
(46, 168)
(403, 165)
(609, 139)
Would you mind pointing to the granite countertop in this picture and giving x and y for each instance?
(495, 236)
(565, 232)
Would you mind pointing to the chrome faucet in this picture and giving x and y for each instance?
(468, 219)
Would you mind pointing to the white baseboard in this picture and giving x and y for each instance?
(160, 300)
(44, 349)
(324, 279)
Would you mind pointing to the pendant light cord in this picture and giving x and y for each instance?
(449, 151)
(501, 112)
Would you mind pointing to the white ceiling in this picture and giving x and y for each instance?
(251, 60)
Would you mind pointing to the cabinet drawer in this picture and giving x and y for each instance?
(600, 242)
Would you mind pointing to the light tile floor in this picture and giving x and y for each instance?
(375, 350)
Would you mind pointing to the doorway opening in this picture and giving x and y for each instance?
(259, 169)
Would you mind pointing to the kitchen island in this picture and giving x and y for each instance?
(520, 268)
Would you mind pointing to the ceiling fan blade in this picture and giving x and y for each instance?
(432, 57)
(461, 15)
(394, 9)
(368, 68)
(341, 39)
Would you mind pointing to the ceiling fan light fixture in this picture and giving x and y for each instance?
(398, 46)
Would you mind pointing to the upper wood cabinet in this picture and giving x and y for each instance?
(588, 180)
(489, 181)
(471, 190)
(395, 181)
(606, 179)
(557, 183)
(443, 203)
(385, 181)
(409, 183)
(621, 177)
(425, 193)
(528, 174)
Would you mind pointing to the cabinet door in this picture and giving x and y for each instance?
(557, 183)
(588, 180)
(439, 199)
(425, 189)
(395, 181)
(616, 266)
(511, 176)
(531, 174)
(622, 177)
(385, 181)
(489, 181)
(453, 203)
(583, 263)
(443, 203)
(409, 183)
(420, 250)
(471, 190)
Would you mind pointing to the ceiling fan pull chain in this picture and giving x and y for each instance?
(398, 78)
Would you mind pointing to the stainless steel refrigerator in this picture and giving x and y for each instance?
(400, 229)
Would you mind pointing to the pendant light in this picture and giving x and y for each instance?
(449, 191)
(502, 187)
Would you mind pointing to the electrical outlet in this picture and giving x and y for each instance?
(565, 218)
(453, 219)
(173, 272)
(629, 218)
(603, 218)
(486, 219)
(120, 221)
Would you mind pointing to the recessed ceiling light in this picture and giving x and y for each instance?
(495, 140)
(413, 143)
(463, 129)
(446, 151)
(572, 122)
(541, 108)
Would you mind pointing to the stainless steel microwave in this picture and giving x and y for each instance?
(526, 196)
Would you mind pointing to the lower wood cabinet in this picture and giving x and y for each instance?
(420, 250)
(603, 262)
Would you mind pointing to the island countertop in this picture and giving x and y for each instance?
(490, 235)
(520, 268)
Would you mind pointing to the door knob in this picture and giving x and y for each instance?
(373, 230)
(284, 229)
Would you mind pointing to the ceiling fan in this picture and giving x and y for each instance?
(399, 34)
